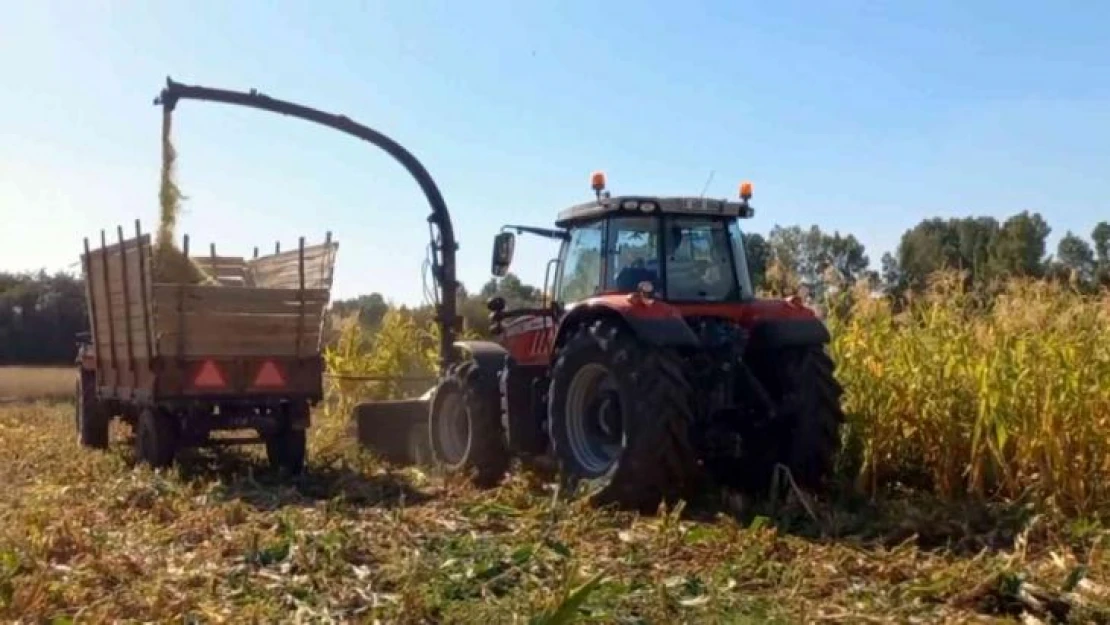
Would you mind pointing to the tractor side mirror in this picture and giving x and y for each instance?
(503, 245)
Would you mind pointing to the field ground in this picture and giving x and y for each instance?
(36, 382)
(85, 536)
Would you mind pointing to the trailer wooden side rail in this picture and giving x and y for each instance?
(241, 351)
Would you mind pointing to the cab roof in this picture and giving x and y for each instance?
(650, 205)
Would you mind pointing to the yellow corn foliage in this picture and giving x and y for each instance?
(402, 352)
(1009, 399)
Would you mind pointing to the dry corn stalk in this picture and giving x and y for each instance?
(169, 263)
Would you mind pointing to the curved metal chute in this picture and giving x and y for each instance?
(443, 247)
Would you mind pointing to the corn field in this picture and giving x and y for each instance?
(955, 394)
(1004, 399)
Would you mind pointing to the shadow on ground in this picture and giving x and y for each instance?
(245, 477)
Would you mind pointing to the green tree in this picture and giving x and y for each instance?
(40, 316)
(810, 254)
(1101, 237)
(937, 244)
(1076, 257)
(516, 293)
(844, 254)
(1019, 248)
(371, 308)
(891, 274)
(758, 253)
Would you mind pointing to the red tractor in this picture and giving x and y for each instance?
(653, 367)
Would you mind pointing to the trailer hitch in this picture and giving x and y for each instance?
(443, 247)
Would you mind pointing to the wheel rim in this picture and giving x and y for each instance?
(593, 419)
(453, 429)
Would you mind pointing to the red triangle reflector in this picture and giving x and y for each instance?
(209, 376)
(269, 375)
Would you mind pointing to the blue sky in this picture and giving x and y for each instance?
(863, 117)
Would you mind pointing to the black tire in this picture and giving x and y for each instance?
(156, 438)
(464, 428)
(91, 417)
(654, 460)
(812, 417)
(287, 448)
(287, 451)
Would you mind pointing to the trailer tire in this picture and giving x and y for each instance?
(155, 439)
(286, 450)
(92, 419)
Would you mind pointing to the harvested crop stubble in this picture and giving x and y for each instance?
(224, 539)
(169, 263)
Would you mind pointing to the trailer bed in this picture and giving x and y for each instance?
(258, 332)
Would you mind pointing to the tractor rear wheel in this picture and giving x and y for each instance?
(92, 419)
(465, 425)
(619, 416)
(812, 416)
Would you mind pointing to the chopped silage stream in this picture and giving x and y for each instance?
(85, 534)
(171, 264)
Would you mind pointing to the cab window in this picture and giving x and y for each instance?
(580, 275)
(698, 260)
(632, 254)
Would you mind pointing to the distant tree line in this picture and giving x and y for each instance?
(40, 316)
(986, 250)
(40, 313)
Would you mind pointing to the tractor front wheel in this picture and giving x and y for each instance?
(465, 425)
(619, 416)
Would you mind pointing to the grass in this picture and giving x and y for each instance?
(36, 383)
(86, 536)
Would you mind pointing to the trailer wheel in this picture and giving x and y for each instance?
(156, 439)
(286, 448)
(91, 417)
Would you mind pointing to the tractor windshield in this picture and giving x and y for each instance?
(703, 257)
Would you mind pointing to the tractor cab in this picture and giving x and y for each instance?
(678, 249)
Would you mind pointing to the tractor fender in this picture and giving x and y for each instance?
(654, 322)
(490, 356)
(772, 334)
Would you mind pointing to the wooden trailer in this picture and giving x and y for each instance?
(179, 361)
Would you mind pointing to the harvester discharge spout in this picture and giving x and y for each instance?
(388, 427)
